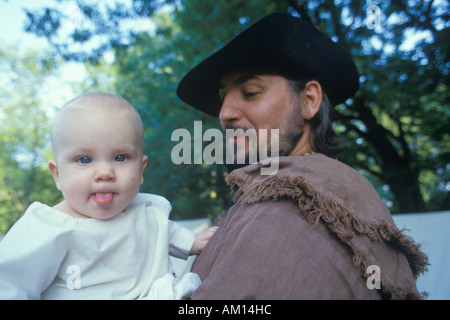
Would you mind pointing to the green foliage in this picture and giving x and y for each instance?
(399, 117)
(396, 126)
(24, 128)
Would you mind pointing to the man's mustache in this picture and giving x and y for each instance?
(234, 127)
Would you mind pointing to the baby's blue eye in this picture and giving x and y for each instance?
(121, 158)
(84, 160)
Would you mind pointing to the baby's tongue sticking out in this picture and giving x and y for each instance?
(102, 198)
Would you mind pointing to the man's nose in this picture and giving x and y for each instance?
(105, 173)
(230, 111)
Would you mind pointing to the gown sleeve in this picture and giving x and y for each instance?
(181, 240)
(30, 256)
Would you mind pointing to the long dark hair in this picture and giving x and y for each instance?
(324, 139)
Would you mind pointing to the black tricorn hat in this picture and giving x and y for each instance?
(277, 44)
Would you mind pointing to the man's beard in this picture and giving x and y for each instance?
(288, 140)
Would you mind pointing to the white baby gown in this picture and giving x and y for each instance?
(48, 254)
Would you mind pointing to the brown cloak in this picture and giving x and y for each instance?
(308, 232)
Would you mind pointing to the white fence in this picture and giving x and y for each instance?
(432, 231)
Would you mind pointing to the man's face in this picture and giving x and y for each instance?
(254, 101)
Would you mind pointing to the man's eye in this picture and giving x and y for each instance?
(250, 94)
(121, 158)
(84, 160)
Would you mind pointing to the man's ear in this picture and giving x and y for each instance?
(53, 167)
(312, 98)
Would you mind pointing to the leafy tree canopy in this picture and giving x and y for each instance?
(396, 125)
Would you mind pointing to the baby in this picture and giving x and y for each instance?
(104, 240)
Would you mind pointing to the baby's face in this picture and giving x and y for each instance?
(99, 163)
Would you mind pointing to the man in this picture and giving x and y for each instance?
(316, 229)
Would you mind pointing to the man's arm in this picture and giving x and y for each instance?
(268, 251)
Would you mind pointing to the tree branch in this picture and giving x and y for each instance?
(300, 9)
(364, 166)
(378, 135)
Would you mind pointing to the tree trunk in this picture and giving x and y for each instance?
(404, 184)
(396, 163)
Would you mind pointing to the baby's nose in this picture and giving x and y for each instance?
(105, 173)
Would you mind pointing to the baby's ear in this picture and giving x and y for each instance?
(144, 164)
(53, 167)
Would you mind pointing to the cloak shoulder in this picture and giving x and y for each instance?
(329, 192)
